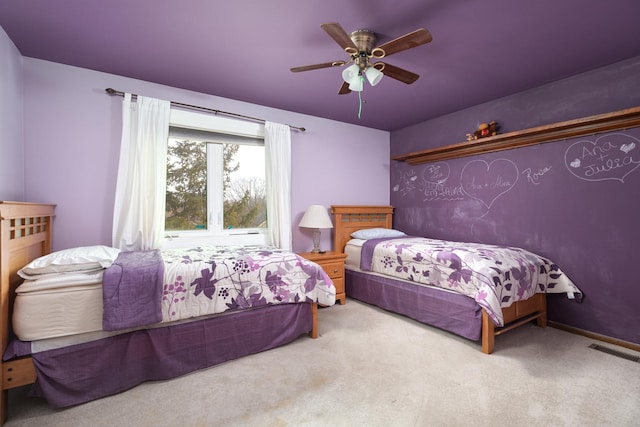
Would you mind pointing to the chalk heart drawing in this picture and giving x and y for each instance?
(611, 156)
(487, 182)
(436, 173)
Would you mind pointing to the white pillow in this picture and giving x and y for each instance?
(376, 233)
(74, 259)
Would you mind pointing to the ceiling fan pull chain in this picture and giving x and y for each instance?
(360, 97)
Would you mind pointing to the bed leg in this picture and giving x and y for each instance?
(542, 308)
(314, 321)
(488, 334)
(542, 321)
(4, 399)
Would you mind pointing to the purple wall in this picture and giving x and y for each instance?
(72, 140)
(11, 105)
(573, 201)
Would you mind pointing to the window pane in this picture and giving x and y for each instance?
(222, 182)
(186, 205)
(245, 203)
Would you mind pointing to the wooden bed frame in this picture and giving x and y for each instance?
(25, 234)
(349, 218)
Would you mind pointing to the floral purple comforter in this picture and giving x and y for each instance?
(494, 276)
(216, 279)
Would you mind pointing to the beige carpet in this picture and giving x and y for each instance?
(373, 368)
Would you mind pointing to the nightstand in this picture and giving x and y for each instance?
(333, 264)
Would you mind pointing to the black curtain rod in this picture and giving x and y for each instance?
(111, 91)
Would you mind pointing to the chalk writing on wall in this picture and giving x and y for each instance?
(607, 157)
(405, 182)
(436, 173)
(487, 182)
(442, 192)
(534, 177)
(479, 180)
(434, 183)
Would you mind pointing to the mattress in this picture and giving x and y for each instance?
(58, 305)
(353, 250)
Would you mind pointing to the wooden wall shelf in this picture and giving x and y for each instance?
(538, 135)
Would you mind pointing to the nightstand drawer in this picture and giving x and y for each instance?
(334, 270)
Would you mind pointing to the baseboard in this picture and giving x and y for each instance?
(604, 338)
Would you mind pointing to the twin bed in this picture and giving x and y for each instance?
(227, 304)
(482, 290)
(86, 328)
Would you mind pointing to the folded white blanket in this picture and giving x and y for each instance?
(51, 282)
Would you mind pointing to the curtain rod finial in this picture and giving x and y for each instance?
(110, 91)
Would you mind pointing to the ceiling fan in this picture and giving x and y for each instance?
(361, 47)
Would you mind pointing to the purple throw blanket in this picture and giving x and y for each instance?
(132, 290)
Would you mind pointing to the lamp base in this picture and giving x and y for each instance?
(316, 242)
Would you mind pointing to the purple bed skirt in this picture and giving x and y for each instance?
(84, 372)
(446, 310)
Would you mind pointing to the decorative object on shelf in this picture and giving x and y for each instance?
(484, 130)
(316, 217)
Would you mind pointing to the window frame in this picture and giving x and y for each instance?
(212, 235)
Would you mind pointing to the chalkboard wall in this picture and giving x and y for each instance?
(574, 201)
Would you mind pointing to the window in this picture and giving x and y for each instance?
(215, 180)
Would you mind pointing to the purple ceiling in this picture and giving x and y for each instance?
(243, 49)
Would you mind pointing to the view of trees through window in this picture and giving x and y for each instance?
(243, 198)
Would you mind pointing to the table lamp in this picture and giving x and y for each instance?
(316, 217)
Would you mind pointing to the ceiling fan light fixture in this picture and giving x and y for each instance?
(373, 75)
(350, 73)
(362, 47)
(356, 84)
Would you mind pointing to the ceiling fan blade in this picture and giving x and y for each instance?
(344, 89)
(397, 73)
(413, 39)
(318, 66)
(338, 34)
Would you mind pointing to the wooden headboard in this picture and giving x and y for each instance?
(25, 234)
(348, 219)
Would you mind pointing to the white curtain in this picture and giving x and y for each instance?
(139, 210)
(277, 142)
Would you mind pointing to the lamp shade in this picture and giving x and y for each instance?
(356, 84)
(373, 75)
(350, 73)
(316, 216)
